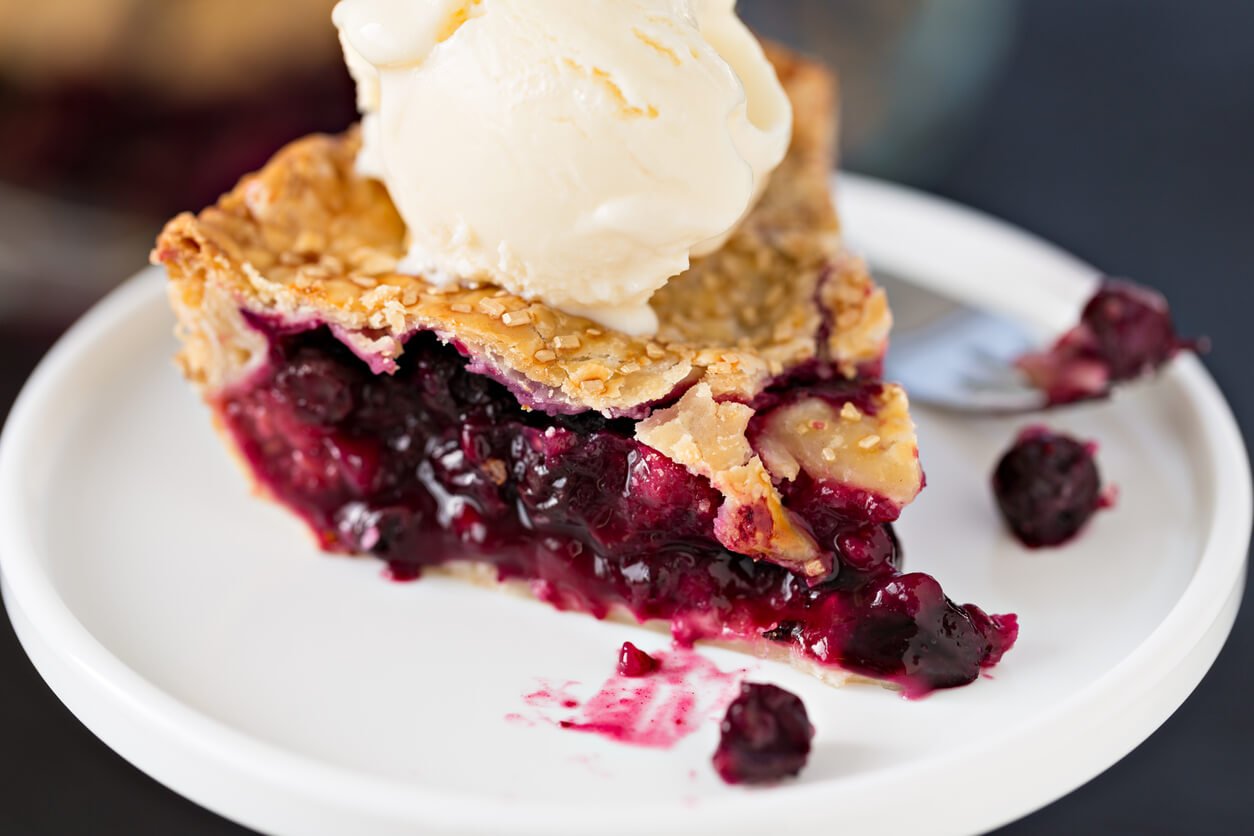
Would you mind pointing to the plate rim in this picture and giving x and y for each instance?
(117, 703)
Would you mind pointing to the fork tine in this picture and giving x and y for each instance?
(962, 360)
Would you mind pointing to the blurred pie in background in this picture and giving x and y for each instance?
(154, 106)
(115, 113)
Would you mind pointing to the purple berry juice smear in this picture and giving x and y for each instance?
(655, 710)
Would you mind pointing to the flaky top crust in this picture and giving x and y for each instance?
(307, 238)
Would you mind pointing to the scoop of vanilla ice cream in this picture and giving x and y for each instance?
(578, 152)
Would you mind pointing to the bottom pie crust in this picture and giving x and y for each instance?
(484, 576)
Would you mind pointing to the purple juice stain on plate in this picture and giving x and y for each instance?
(654, 709)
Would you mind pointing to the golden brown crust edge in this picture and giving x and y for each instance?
(306, 237)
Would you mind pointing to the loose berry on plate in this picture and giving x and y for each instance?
(1047, 487)
(766, 736)
(634, 662)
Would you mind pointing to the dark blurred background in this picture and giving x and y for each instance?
(1123, 130)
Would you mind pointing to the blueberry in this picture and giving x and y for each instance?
(1132, 328)
(319, 389)
(766, 736)
(1047, 487)
(909, 631)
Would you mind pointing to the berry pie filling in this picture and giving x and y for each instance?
(435, 465)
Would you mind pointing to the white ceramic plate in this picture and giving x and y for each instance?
(198, 633)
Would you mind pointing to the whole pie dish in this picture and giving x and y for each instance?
(732, 479)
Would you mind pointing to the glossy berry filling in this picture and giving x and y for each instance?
(435, 464)
(1125, 332)
(1047, 487)
(634, 662)
(765, 737)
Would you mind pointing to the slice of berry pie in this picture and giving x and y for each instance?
(732, 478)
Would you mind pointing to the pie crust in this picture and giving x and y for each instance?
(307, 239)
(757, 404)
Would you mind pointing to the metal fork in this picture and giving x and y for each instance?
(954, 357)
